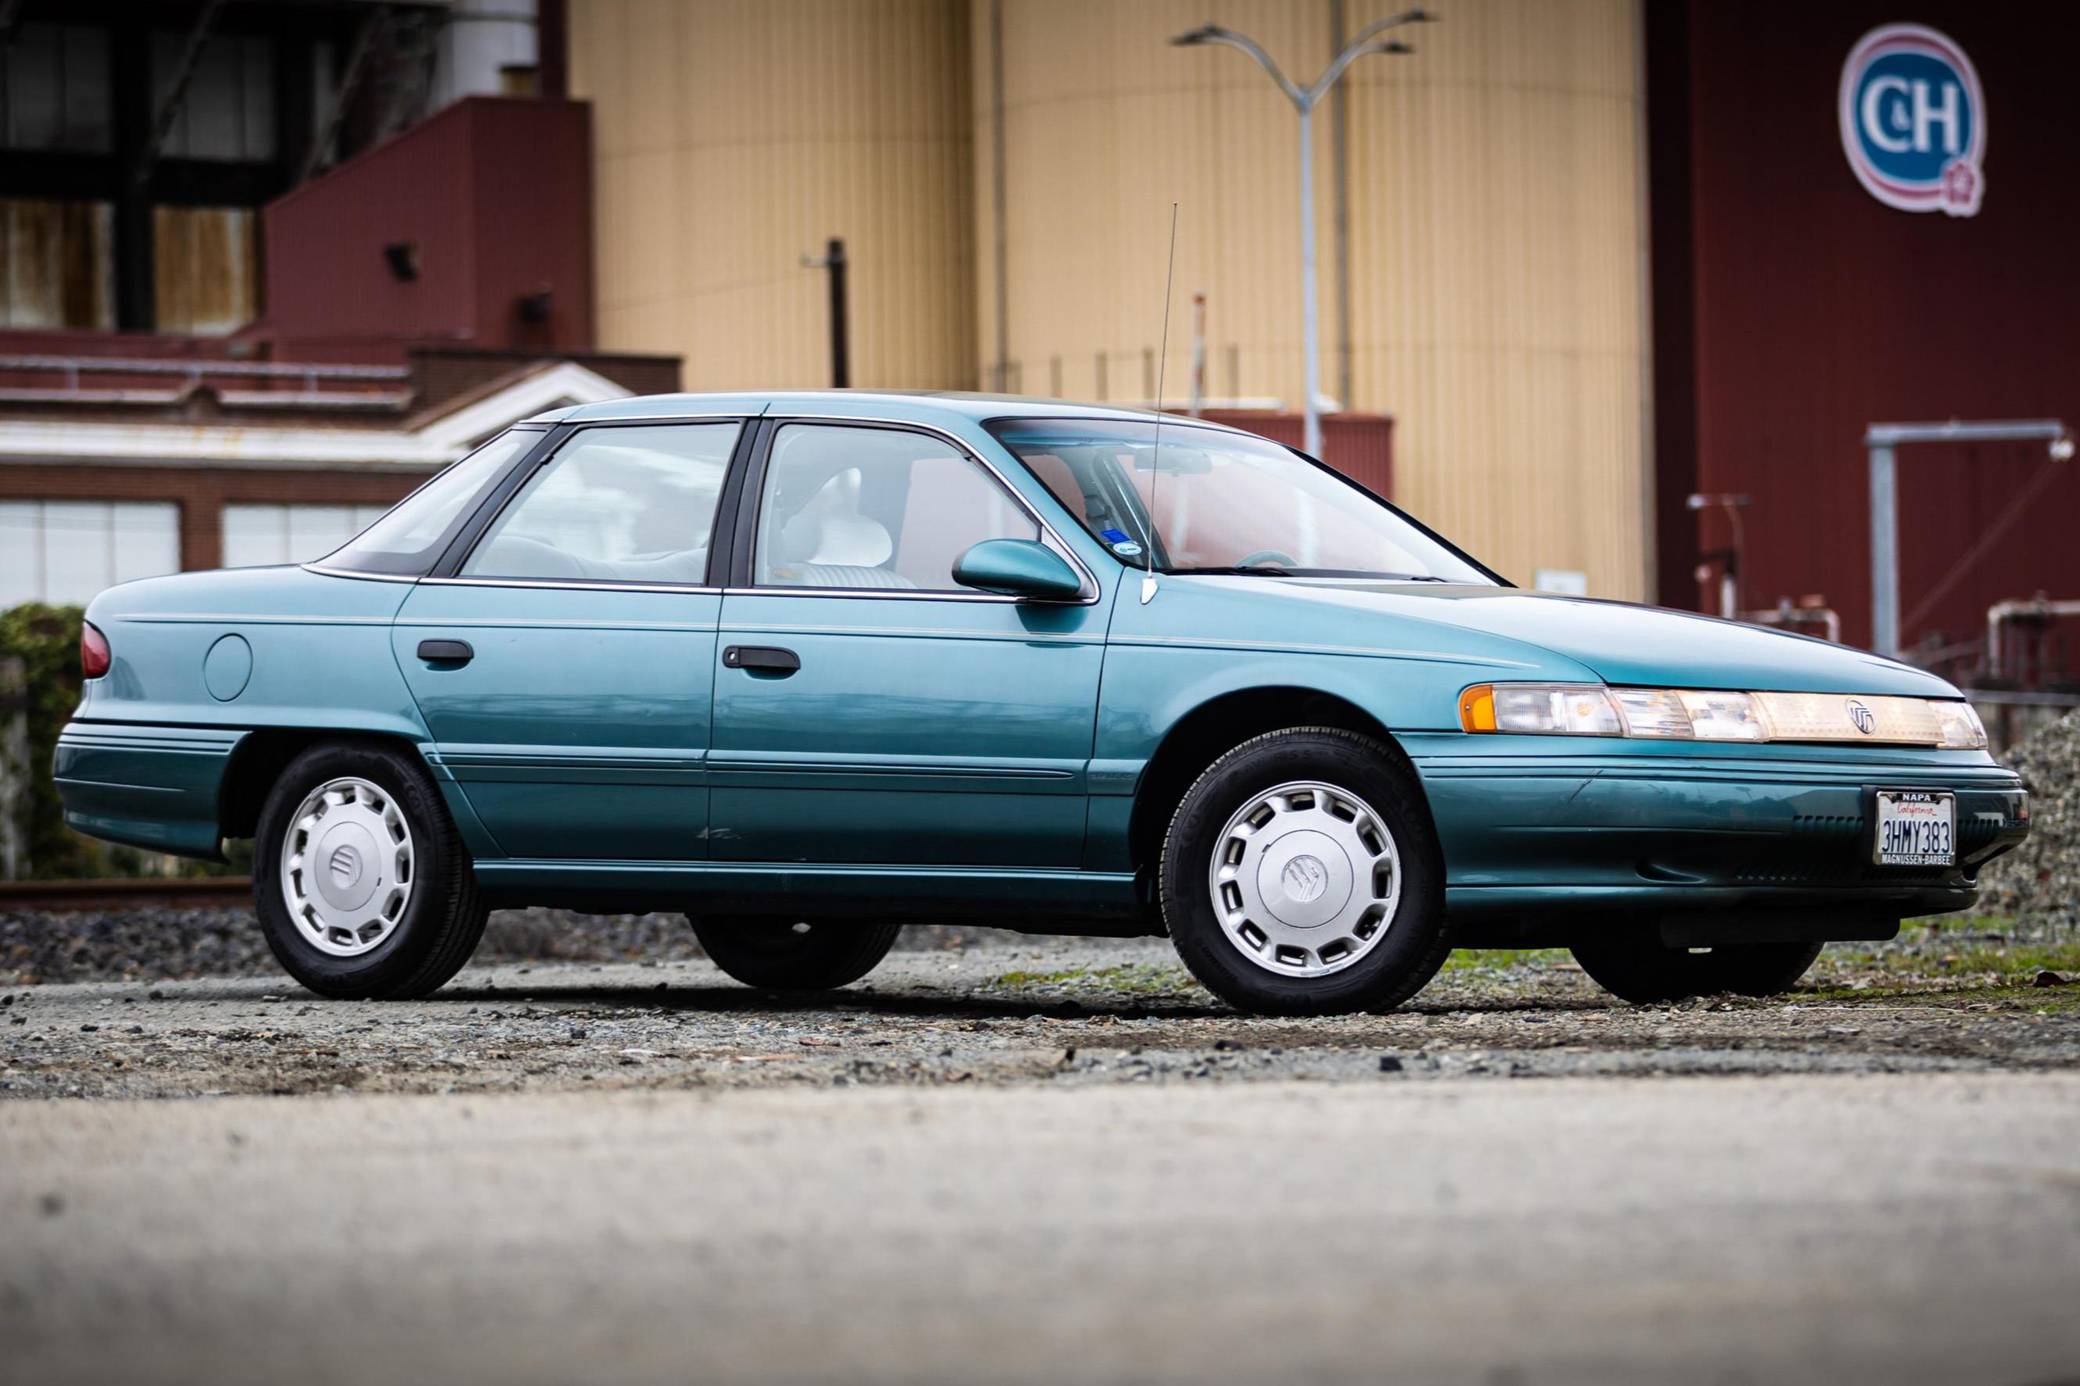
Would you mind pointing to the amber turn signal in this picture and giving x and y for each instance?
(1477, 708)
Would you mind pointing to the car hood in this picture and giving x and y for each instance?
(1638, 645)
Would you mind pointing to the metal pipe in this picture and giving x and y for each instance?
(1884, 551)
(999, 201)
(1881, 439)
(1340, 212)
(841, 344)
(1196, 400)
(2001, 613)
(1785, 614)
(1311, 349)
(72, 366)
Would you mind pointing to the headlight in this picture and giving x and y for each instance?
(1962, 730)
(1690, 714)
(1701, 714)
(1567, 709)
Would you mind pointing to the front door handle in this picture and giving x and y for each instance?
(446, 651)
(762, 659)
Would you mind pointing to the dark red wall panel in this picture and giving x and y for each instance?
(1793, 309)
(496, 197)
(1361, 446)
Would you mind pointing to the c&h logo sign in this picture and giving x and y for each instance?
(1914, 120)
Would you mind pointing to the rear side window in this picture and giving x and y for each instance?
(408, 540)
(615, 504)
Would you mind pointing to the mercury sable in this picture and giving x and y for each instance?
(808, 667)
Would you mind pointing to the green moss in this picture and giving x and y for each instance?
(1501, 959)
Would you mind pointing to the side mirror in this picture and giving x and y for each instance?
(1023, 568)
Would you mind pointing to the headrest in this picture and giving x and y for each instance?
(852, 541)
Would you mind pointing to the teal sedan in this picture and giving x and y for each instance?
(808, 667)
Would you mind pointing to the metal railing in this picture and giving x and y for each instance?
(310, 373)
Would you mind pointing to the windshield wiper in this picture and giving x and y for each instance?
(1230, 570)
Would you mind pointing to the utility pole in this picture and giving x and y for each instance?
(1304, 100)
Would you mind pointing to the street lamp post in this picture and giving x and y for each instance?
(1304, 100)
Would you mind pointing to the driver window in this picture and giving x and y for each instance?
(875, 508)
(627, 504)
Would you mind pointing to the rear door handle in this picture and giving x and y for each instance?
(446, 651)
(761, 659)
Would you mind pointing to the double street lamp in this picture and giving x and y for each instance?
(1304, 100)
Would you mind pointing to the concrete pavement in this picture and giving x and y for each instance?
(1889, 1229)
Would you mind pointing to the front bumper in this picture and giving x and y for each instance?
(1534, 827)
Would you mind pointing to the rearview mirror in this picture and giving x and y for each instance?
(1021, 568)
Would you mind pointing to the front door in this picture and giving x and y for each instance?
(566, 671)
(867, 709)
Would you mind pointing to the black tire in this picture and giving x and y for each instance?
(779, 954)
(1414, 945)
(443, 918)
(1632, 964)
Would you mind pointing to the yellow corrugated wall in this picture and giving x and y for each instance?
(732, 137)
(1497, 241)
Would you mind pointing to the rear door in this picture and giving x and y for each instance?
(566, 668)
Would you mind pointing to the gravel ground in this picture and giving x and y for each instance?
(2038, 884)
(163, 944)
(1001, 1008)
(1026, 1159)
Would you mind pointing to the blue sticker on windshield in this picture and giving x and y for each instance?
(1114, 536)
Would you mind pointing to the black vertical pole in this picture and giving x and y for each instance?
(841, 353)
(131, 89)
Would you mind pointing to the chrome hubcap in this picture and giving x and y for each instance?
(347, 867)
(1305, 879)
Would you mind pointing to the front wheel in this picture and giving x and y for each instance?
(1634, 965)
(795, 955)
(1301, 876)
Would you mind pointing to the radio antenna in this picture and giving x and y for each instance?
(1155, 480)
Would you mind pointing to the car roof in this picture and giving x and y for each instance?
(911, 406)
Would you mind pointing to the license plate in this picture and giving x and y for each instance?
(1916, 827)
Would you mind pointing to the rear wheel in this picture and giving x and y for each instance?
(362, 886)
(795, 954)
(1301, 876)
(1634, 965)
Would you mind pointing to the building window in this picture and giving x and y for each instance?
(260, 534)
(227, 112)
(65, 551)
(54, 92)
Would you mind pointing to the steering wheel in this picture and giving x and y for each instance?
(1278, 556)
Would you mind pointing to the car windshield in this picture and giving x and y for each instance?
(1225, 503)
(411, 534)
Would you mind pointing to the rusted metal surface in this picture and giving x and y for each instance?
(21, 896)
(55, 265)
(206, 262)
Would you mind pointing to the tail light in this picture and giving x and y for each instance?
(93, 651)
